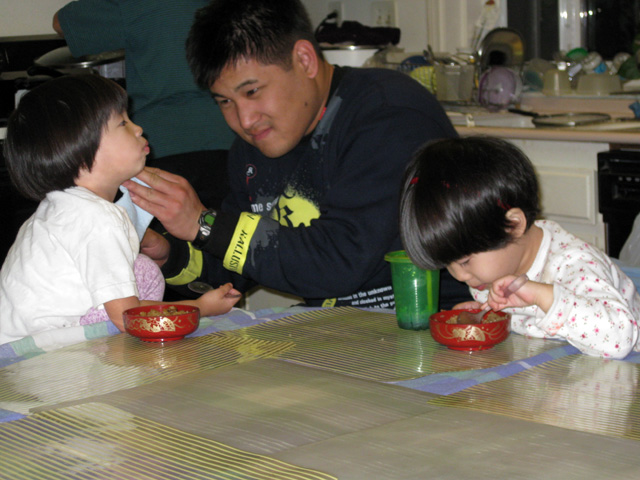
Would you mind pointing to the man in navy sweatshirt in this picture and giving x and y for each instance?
(315, 170)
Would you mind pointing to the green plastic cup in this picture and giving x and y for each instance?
(416, 291)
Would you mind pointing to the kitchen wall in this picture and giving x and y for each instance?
(444, 24)
(28, 17)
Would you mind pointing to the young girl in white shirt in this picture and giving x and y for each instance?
(69, 145)
(470, 205)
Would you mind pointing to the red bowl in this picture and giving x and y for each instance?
(160, 323)
(468, 337)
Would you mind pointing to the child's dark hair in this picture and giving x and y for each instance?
(455, 197)
(56, 129)
(226, 31)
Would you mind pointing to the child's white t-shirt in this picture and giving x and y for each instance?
(75, 252)
(596, 306)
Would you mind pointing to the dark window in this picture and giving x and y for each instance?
(610, 26)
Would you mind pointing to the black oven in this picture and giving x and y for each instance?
(618, 195)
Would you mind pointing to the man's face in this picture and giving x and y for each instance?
(269, 107)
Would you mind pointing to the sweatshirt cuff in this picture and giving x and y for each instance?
(178, 257)
(221, 234)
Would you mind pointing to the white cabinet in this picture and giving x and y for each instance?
(567, 172)
(568, 193)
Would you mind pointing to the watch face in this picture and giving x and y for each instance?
(209, 218)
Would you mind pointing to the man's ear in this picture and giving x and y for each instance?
(306, 58)
(517, 221)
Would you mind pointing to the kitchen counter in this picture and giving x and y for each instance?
(617, 137)
(624, 129)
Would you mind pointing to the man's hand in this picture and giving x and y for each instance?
(155, 246)
(170, 198)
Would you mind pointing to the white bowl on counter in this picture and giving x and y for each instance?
(598, 84)
(348, 55)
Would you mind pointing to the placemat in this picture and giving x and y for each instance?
(98, 441)
(267, 406)
(120, 362)
(452, 382)
(577, 392)
(370, 345)
(357, 429)
(29, 347)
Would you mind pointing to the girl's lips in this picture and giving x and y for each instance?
(481, 287)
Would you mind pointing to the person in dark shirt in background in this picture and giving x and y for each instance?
(315, 171)
(186, 132)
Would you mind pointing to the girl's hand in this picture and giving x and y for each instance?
(531, 293)
(470, 305)
(218, 301)
(497, 300)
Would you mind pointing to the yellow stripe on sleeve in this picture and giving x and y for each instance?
(192, 271)
(239, 246)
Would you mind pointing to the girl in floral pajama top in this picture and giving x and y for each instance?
(469, 204)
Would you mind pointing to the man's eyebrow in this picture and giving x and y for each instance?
(239, 87)
(245, 83)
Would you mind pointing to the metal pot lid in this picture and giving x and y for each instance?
(62, 58)
(570, 119)
(503, 47)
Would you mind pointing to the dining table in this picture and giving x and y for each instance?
(313, 393)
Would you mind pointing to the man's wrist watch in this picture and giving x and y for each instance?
(205, 222)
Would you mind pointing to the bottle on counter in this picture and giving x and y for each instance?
(618, 60)
(584, 65)
(593, 63)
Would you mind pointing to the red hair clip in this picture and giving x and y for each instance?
(414, 180)
(505, 206)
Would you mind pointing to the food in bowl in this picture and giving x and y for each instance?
(446, 331)
(488, 318)
(161, 323)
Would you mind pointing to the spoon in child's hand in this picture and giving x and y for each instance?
(468, 318)
(201, 287)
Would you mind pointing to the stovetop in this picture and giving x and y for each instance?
(18, 53)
